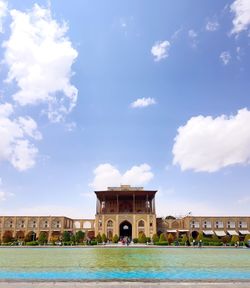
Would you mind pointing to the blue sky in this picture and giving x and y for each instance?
(96, 94)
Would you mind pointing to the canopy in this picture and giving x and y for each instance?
(232, 232)
(172, 231)
(244, 232)
(208, 232)
(220, 233)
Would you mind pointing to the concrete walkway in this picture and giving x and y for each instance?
(124, 284)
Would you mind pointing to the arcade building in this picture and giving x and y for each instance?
(124, 211)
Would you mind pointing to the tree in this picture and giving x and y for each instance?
(98, 238)
(235, 239)
(115, 239)
(162, 238)
(184, 239)
(170, 238)
(73, 239)
(200, 236)
(142, 238)
(225, 239)
(66, 236)
(80, 235)
(30, 236)
(43, 238)
(155, 238)
(247, 238)
(104, 238)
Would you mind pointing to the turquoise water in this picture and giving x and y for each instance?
(124, 263)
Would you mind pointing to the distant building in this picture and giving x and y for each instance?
(125, 211)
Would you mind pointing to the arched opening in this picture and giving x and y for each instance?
(195, 234)
(110, 230)
(20, 235)
(126, 229)
(7, 237)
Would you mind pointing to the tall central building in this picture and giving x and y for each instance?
(126, 211)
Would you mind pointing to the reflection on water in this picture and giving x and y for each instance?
(124, 263)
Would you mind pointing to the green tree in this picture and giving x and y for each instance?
(142, 238)
(200, 236)
(66, 236)
(43, 238)
(155, 238)
(73, 239)
(115, 239)
(80, 235)
(98, 238)
(162, 238)
(104, 238)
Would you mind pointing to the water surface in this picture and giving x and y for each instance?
(124, 264)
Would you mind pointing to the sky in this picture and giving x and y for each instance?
(102, 93)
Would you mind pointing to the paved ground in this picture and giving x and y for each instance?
(123, 284)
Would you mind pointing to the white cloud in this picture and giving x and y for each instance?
(3, 13)
(107, 175)
(209, 144)
(193, 37)
(241, 20)
(39, 57)
(143, 102)
(225, 57)
(160, 50)
(212, 26)
(15, 135)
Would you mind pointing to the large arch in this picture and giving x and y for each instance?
(125, 229)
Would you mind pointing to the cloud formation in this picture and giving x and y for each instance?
(160, 50)
(241, 20)
(39, 57)
(143, 102)
(107, 175)
(225, 57)
(210, 144)
(212, 26)
(193, 37)
(3, 13)
(15, 135)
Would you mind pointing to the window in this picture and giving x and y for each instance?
(141, 223)
(110, 224)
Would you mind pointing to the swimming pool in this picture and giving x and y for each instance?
(124, 264)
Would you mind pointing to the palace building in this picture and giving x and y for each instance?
(124, 211)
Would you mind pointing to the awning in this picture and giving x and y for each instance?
(172, 231)
(183, 230)
(244, 232)
(208, 232)
(220, 233)
(232, 232)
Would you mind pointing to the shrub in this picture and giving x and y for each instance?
(135, 240)
(115, 239)
(142, 238)
(170, 238)
(162, 238)
(93, 242)
(155, 238)
(104, 238)
(148, 239)
(246, 239)
(43, 238)
(163, 243)
(234, 239)
(66, 236)
(73, 239)
(80, 235)
(32, 243)
(98, 238)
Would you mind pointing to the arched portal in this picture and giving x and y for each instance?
(126, 229)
